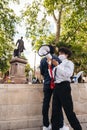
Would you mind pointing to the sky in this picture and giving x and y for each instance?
(28, 52)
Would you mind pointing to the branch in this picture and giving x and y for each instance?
(59, 15)
(60, 12)
(54, 17)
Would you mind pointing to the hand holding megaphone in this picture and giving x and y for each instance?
(54, 62)
(48, 51)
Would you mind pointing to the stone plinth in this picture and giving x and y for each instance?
(17, 71)
(21, 106)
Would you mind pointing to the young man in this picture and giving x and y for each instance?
(62, 92)
(47, 90)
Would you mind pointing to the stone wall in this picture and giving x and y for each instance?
(21, 106)
(79, 95)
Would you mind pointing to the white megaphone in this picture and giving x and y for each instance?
(46, 50)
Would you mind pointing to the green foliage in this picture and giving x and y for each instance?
(52, 5)
(79, 55)
(27, 69)
(6, 48)
(7, 19)
(36, 27)
(72, 27)
(7, 30)
(44, 40)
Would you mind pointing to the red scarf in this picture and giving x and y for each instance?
(52, 84)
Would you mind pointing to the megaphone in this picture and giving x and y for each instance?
(45, 50)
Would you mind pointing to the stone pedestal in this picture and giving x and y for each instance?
(17, 71)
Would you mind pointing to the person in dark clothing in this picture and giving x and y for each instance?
(47, 90)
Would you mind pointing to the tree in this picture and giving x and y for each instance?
(62, 11)
(79, 56)
(36, 27)
(70, 18)
(7, 30)
(27, 69)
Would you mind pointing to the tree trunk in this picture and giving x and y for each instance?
(58, 25)
(57, 32)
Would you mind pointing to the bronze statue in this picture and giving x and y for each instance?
(20, 47)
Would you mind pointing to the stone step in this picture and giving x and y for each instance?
(32, 123)
(38, 128)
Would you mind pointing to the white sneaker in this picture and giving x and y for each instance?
(64, 128)
(50, 127)
(45, 128)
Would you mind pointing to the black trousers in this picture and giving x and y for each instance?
(62, 98)
(46, 105)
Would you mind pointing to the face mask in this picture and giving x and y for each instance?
(62, 57)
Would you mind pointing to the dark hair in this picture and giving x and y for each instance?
(21, 37)
(52, 49)
(65, 51)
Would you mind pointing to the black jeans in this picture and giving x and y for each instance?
(62, 98)
(46, 104)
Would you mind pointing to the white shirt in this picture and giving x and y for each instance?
(63, 71)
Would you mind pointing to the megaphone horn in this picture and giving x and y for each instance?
(45, 49)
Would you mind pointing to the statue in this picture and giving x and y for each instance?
(20, 47)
